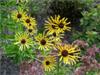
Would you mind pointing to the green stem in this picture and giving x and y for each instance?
(20, 27)
(38, 60)
(58, 67)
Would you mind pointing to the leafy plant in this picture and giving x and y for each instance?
(23, 40)
(90, 26)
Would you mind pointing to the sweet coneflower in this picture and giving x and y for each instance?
(43, 42)
(57, 24)
(62, 24)
(49, 63)
(18, 15)
(50, 25)
(69, 54)
(31, 30)
(56, 37)
(23, 41)
(29, 22)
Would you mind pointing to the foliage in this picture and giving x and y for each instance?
(90, 33)
(18, 56)
(37, 7)
(84, 16)
(90, 26)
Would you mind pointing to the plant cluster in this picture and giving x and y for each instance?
(90, 24)
(38, 49)
(28, 44)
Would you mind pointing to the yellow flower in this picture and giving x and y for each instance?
(68, 53)
(18, 15)
(62, 25)
(57, 24)
(56, 37)
(50, 25)
(49, 63)
(43, 42)
(29, 22)
(23, 41)
(31, 30)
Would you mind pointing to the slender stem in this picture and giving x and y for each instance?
(38, 60)
(46, 56)
(21, 28)
(58, 66)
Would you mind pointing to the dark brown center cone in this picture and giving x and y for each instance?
(64, 53)
(23, 41)
(43, 42)
(19, 16)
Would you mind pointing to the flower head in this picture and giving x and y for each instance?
(49, 63)
(18, 15)
(43, 42)
(56, 37)
(23, 41)
(50, 25)
(29, 22)
(68, 53)
(57, 24)
(31, 30)
(62, 25)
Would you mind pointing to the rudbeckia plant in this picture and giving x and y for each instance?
(28, 41)
(55, 46)
(30, 45)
